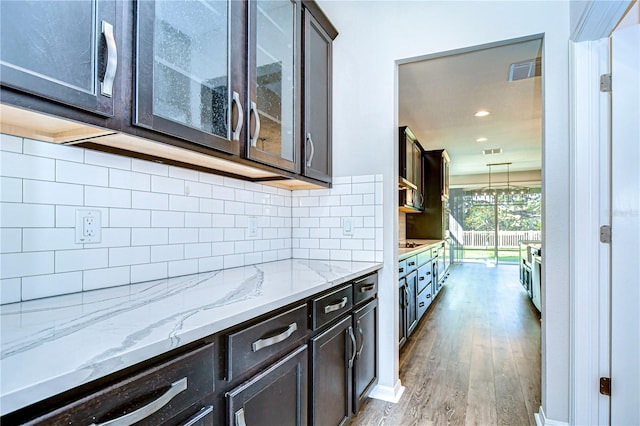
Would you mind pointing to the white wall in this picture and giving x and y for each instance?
(373, 35)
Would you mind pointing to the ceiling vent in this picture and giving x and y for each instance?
(525, 69)
(492, 151)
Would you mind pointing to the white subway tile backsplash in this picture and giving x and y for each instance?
(243, 246)
(10, 143)
(107, 160)
(10, 189)
(341, 189)
(183, 203)
(167, 185)
(310, 243)
(363, 178)
(43, 192)
(107, 277)
(351, 200)
(213, 263)
(167, 252)
(26, 166)
(332, 243)
(243, 196)
(10, 240)
(378, 193)
(233, 183)
(223, 193)
(183, 267)
(233, 207)
(270, 256)
(106, 197)
(78, 260)
(300, 253)
(363, 188)
(65, 216)
(183, 235)
(233, 234)
(129, 180)
(149, 200)
(149, 271)
(368, 199)
(197, 220)
(14, 265)
(14, 215)
(197, 250)
(84, 174)
(309, 222)
(300, 233)
(211, 206)
(340, 255)
(329, 200)
(338, 233)
(161, 219)
(129, 256)
(149, 236)
(113, 237)
(353, 244)
(319, 233)
(363, 210)
(46, 239)
(129, 218)
(41, 286)
(149, 167)
(222, 220)
(53, 150)
(210, 178)
(222, 248)
(300, 212)
(197, 189)
(233, 260)
(181, 173)
(363, 256)
(330, 222)
(320, 212)
(253, 209)
(319, 254)
(252, 258)
(210, 234)
(10, 290)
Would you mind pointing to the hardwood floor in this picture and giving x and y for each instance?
(474, 358)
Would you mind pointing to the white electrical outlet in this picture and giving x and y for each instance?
(88, 226)
(347, 226)
(252, 227)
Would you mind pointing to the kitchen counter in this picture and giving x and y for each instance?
(403, 252)
(51, 345)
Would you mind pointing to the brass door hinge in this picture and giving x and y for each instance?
(605, 386)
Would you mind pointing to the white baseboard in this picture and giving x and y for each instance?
(388, 393)
(542, 420)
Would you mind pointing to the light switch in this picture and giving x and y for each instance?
(252, 227)
(88, 226)
(347, 226)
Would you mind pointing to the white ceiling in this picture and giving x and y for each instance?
(438, 98)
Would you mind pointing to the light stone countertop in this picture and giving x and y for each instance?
(52, 345)
(403, 252)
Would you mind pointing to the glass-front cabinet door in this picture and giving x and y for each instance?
(183, 62)
(66, 51)
(274, 82)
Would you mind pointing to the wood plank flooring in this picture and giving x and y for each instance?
(473, 360)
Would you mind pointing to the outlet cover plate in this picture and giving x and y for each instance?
(88, 226)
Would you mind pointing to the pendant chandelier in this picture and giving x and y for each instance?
(506, 194)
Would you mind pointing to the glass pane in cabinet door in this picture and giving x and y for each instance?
(190, 66)
(54, 40)
(275, 78)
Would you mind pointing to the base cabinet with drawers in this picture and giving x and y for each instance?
(312, 362)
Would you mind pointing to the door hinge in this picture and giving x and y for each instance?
(605, 234)
(605, 83)
(605, 386)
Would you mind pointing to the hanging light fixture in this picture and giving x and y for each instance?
(506, 194)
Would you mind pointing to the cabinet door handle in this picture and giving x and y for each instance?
(420, 278)
(406, 297)
(367, 288)
(421, 304)
(263, 343)
(106, 86)
(337, 306)
(313, 150)
(256, 132)
(428, 296)
(361, 340)
(236, 132)
(239, 417)
(353, 346)
(193, 421)
(144, 412)
(412, 263)
(400, 270)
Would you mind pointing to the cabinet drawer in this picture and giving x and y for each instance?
(424, 257)
(252, 345)
(412, 263)
(402, 268)
(365, 288)
(424, 300)
(424, 276)
(151, 397)
(330, 306)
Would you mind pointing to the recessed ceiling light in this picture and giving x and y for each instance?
(482, 140)
(482, 113)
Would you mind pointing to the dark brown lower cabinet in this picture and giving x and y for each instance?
(333, 353)
(276, 396)
(365, 376)
(195, 417)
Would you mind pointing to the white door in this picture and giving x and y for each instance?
(625, 224)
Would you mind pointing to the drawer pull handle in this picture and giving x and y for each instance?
(263, 343)
(367, 288)
(421, 279)
(239, 415)
(421, 304)
(412, 263)
(337, 306)
(401, 270)
(144, 412)
(193, 421)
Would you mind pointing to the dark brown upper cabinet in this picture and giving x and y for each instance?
(64, 51)
(274, 83)
(318, 36)
(410, 182)
(184, 53)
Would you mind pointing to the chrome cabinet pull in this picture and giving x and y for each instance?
(144, 412)
(420, 278)
(337, 306)
(106, 86)
(239, 417)
(254, 110)
(353, 346)
(421, 304)
(362, 340)
(263, 343)
(236, 132)
(199, 416)
(313, 150)
(367, 288)
(400, 270)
